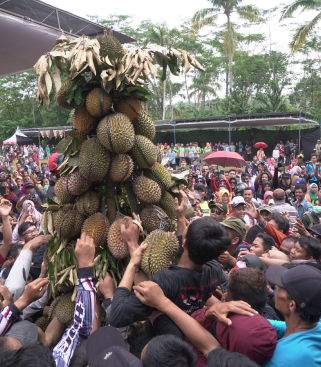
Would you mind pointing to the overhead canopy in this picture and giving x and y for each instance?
(18, 138)
(29, 28)
(234, 121)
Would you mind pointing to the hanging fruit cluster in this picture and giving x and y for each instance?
(111, 167)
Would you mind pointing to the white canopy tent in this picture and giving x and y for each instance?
(18, 138)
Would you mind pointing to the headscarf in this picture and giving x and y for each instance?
(221, 192)
(312, 195)
(295, 171)
(267, 193)
(23, 189)
(34, 211)
(317, 209)
(266, 183)
(44, 170)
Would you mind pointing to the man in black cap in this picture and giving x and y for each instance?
(218, 210)
(298, 299)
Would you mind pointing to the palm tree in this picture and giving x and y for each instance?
(303, 32)
(208, 17)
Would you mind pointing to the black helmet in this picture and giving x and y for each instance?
(239, 189)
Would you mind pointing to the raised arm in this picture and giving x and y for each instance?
(5, 209)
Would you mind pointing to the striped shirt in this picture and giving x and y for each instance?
(282, 206)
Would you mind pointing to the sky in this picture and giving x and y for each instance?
(171, 11)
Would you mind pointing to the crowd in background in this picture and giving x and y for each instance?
(244, 289)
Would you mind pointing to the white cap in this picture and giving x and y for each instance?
(237, 200)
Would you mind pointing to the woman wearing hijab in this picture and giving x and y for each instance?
(313, 192)
(208, 148)
(224, 196)
(45, 172)
(268, 195)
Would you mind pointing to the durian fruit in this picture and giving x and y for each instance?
(94, 160)
(98, 102)
(121, 168)
(65, 287)
(144, 152)
(88, 203)
(167, 203)
(96, 227)
(161, 248)
(144, 125)
(109, 45)
(159, 174)
(61, 96)
(159, 156)
(130, 107)
(153, 217)
(116, 133)
(53, 308)
(74, 183)
(68, 222)
(83, 121)
(61, 194)
(65, 309)
(189, 212)
(116, 245)
(42, 322)
(147, 190)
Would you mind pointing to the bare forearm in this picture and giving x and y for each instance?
(269, 262)
(7, 231)
(141, 276)
(128, 278)
(181, 226)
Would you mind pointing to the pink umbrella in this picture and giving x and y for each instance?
(225, 159)
(260, 144)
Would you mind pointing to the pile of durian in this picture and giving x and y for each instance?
(111, 167)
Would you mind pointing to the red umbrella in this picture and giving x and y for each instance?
(225, 159)
(260, 144)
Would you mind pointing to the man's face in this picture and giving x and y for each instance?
(205, 170)
(18, 166)
(232, 174)
(246, 180)
(257, 247)
(248, 195)
(286, 181)
(299, 253)
(275, 225)
(201, 193)
(293, 162)
(313, 159)
(217, 214)
(239, 211)
(299, 194)
(30, 233)
(302, 170)
(265, 177)
(266, 215)
(30, 160)
(227, 175)
(213, 167)
(286, 247)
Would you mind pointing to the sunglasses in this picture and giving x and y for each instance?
(200, 181)
(315, 235)
(216, 211)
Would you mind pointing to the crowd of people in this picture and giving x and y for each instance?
(243, 290)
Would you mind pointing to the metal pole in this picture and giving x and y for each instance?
(229, 132)
(299, 132)
(174, 134)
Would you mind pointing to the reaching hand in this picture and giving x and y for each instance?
(137, 255)
(285, 215)
(299, 228)
(242, 253)
(85, 251)
(150, 294)
(221, 310)
(107, 286)
(36, 242)
(180, 210)
(225, 257)
(131, 234)
(253, 211)
(34, 290)
(5, 208)
(7, 296)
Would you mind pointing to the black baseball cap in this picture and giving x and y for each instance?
(286, 175)
(199, 186)
(107, 348)
(303, 283)
(29, 184)
(221, 206)
(316, 229)
(250, 261)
